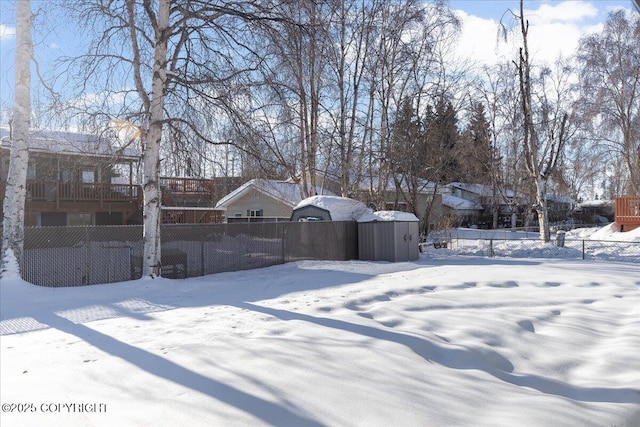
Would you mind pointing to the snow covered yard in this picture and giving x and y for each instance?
(445, 340)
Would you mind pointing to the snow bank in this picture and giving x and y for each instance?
(607, 233)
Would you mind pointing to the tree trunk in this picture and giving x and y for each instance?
(541, 209)
(151, 142)
(16, 189)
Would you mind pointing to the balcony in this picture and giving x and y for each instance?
(627, 212)
(53, 191)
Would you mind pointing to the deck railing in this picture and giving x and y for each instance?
(627, 210)
(79, 192)
(186, 185)
(191, 216)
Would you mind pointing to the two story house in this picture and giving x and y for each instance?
(75, 179)
(84, 179)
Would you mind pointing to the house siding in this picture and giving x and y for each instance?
(255, 200)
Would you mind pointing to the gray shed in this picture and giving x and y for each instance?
(310, 213)
(388, 236)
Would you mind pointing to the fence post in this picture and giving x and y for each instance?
(583, 249)
(281, 226)
(491, 253)
(202, 237)
(88, 255)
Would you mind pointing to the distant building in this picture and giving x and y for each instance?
(262, 200)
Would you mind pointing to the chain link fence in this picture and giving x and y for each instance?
(74, 256)
(567, 248)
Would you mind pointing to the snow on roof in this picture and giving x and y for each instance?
(559, 199)
(398, 216)
(595, 203)
(340, 208)
(50, 141)
(286, 191)
(424, 186)
(458, 203)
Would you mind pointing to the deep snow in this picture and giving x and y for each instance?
(443, 341)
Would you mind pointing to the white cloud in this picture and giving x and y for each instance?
(7, 32)
(555, 29)
(566, 11)
(480, 41)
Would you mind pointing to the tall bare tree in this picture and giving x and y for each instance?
(164, 65)
(545, 126)
(13, 204)
(610, 78)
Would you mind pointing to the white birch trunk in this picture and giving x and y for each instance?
(543, 214)
(151, 142)
(16, 189)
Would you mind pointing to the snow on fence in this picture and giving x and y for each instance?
(74, 256)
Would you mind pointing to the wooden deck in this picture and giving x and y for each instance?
(53, 191)
(195, 204)
(627, 213)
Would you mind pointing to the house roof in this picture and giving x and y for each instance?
(595, 203)
(425, 186)
(458, 203)
(71, 143)
(285, 191)
(560, 199)
(480, 189)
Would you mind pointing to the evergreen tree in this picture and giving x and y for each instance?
(478, 157)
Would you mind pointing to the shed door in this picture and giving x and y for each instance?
(403, 239)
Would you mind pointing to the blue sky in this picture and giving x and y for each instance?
(556, 28)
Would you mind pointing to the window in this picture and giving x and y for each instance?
(255, 212)
(66, 175)
(88, 176)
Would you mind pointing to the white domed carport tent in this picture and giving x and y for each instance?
(329, 208)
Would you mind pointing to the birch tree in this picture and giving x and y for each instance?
(152, 133)
(610, 78)
(162, 66)
(13, 207)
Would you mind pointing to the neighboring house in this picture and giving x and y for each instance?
(486, 200)
(386, 196)
(594, 211)
(261, 200)
(83, 179)
(463, 212)
(75, 179)
(489, 200)
(559, 208)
